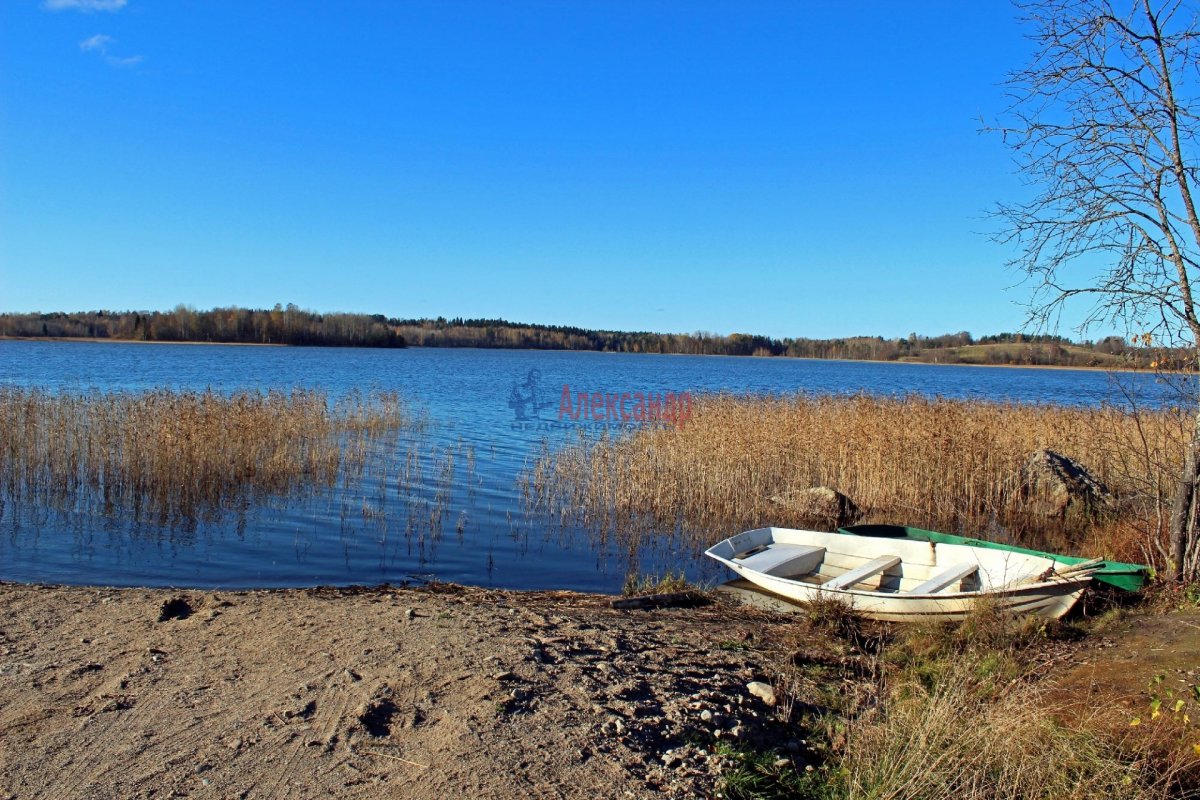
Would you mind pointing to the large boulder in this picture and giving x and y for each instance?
(818, 507)
(1054, 484)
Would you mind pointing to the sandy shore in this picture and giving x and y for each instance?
(441, 692)
(423, 693)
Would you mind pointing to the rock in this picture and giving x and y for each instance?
(763, 691)
(782, 762)
(614, 725)
(409, 613)
(503, 676)
(706, 715)
(819, 506)
(1053, 483)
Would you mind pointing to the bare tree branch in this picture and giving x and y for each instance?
(1105, 123)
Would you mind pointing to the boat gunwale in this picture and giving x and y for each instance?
(1005, 590)
(960, 595)
(1123, 575)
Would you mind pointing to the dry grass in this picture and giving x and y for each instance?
(953, 740)
(374, 413)
(178, 455)
(960, 710)
(945, 464)
(639, 584)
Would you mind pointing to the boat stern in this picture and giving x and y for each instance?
(727, 550)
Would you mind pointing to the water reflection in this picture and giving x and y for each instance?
(442, 500)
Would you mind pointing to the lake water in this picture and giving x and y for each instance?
(472, 399)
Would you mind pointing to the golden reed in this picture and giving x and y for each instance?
(945, 464)
(176, 454)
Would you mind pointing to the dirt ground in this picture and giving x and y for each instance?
(1112, 677)
(441, 692)
(438, 692)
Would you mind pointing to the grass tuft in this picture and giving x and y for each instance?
(766, 775)
(639, 584)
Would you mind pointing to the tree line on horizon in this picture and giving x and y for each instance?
(287, 325)
(290, 325)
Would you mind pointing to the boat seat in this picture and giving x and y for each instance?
(779, 559)
(861, 572)
(946, 577)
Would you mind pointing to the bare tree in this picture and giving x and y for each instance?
(1104, 125)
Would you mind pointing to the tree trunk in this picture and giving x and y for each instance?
(1183, 511)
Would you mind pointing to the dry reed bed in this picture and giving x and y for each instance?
(934, 462)
(177, 454)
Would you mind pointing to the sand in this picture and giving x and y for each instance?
(442, 692)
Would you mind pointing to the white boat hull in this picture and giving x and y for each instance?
(1011, 581)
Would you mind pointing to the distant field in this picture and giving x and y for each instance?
(1028, 354)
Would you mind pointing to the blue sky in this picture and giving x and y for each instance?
(790, 168)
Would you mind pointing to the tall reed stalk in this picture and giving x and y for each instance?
(949, 464)
(179, 454)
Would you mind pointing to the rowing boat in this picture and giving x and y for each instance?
(901, 580)
(1129, 577)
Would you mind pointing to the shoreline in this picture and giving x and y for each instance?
(97, 340)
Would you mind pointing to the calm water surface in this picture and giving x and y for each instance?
(472, 399)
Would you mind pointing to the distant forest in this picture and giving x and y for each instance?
(289, 325)
(279, 325)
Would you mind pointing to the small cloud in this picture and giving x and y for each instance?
(100, 43)
(86, 6)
